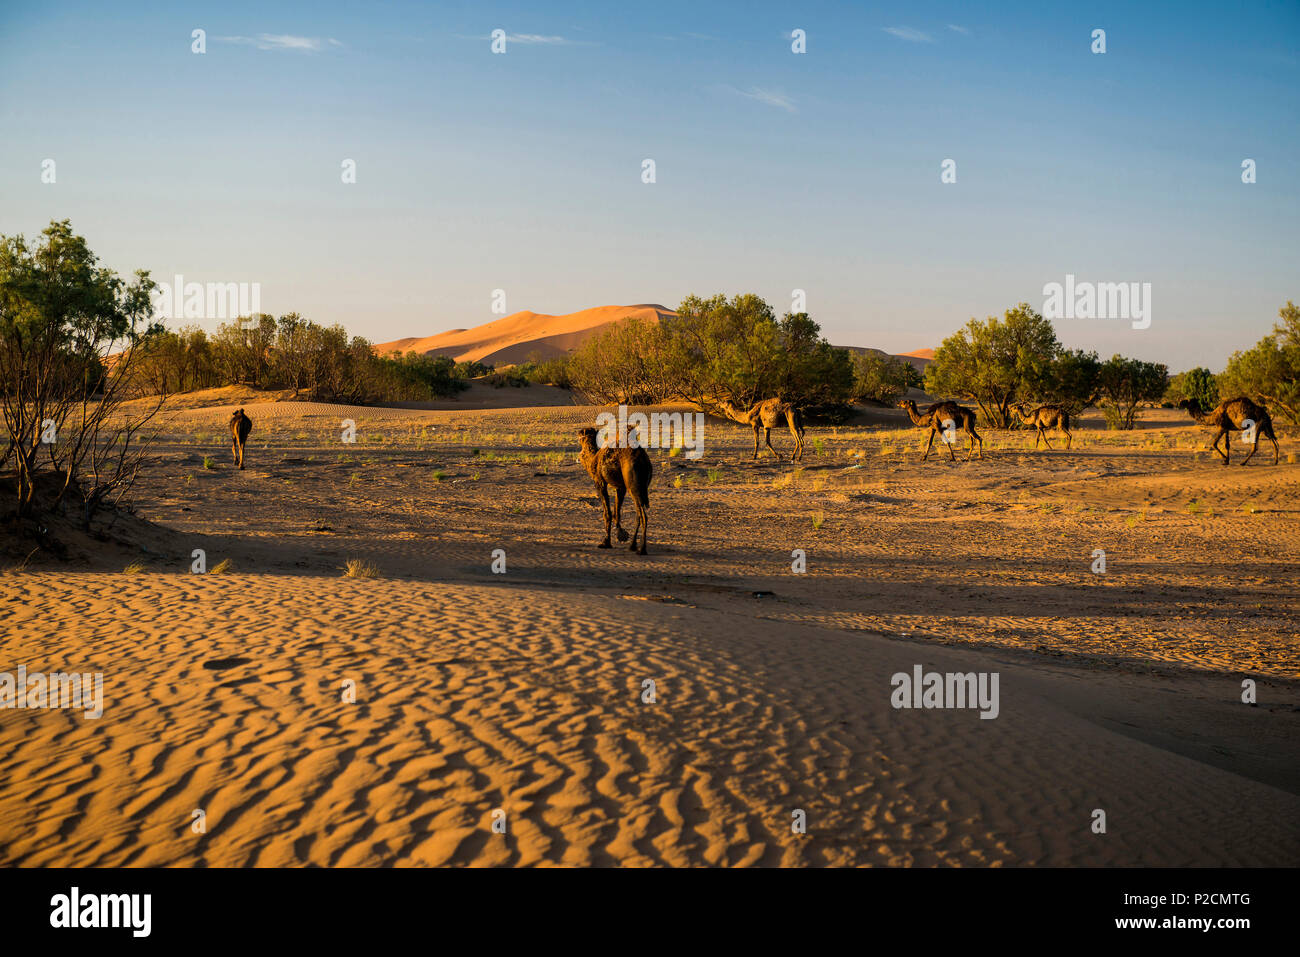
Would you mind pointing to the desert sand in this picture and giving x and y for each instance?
(523, 691)
(516, 337)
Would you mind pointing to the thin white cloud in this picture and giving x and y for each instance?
(958, 29)
(536, 38)
(767, 97)
(907, 33)
(283, 41)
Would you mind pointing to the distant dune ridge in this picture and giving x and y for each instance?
(515, 338)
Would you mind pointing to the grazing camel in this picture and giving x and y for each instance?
(1043, 418)
(240, 426)
(629, 471)
(934, 417)
(1230, 415)
(767, 416)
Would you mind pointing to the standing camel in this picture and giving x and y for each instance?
(629, 471)
(1043, 418)
(767, 416)
(1230, 415)
(240, 426)
(934, 417)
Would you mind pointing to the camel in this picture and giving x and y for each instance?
(1230, 415)
(934, 417)
(767, 415)
(240, 426)
(629, 471)
(1043, 418)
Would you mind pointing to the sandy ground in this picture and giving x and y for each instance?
(524, 692)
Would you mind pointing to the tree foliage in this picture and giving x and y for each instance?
(320, 362)
(997, 362)
(1125, 384)
(1199, 385)
(61, 318)
(713, 349)
(1271, 369)
(882, 378)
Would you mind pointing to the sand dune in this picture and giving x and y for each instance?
(477, 697)
(516, 337)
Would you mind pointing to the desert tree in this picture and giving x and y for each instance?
(882, 378)
(736, 349)
(1125, 384)
(997, 362)
(1270, 370)
(71, 333)
(1199, 385)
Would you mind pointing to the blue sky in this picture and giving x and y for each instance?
(775, 171)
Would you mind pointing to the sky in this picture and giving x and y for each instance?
(774, 171)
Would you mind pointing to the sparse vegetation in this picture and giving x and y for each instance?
(360, 568)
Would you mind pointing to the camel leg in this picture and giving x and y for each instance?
(1046, 441)
(977, 438)
(1272, 438)
(1069, 439)
(604, 500)
(234, 450)
(929, 445)
(619, 491)
(946, 444)
(642, 522)
(767, 437)
(756, 428)
(1226, 451)
(797, 454)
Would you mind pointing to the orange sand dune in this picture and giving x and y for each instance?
(516, 337)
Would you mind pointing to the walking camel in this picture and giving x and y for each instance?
(1230, 415)
(934, 419)
(1043, 418)
(240, 426)
(767, 415)
(629, 471)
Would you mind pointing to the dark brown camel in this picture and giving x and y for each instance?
(240, 426)
(767, 415)
(1043, 418)
(1230, 415)
(628, 470)
(934, 419)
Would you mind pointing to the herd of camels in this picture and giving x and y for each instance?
(626, 468)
